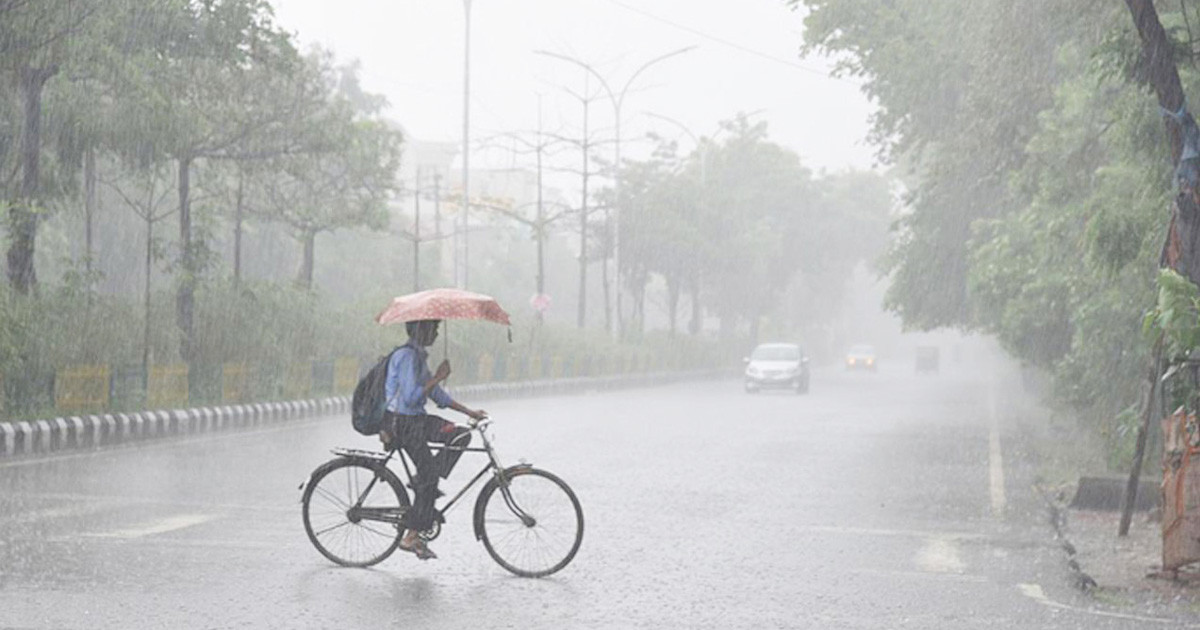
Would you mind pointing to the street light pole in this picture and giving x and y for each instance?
(417, 233)
(618, 100)
(466, 151)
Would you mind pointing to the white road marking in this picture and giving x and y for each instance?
(940, 555)
(995, 457)
(113, 500)
(955, 577)
(903, 533)
(1035, 592)
(161, 526)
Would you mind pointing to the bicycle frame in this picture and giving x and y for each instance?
(388, 515)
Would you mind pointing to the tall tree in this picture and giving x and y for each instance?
(231, 86)
(36, 40)
(345, 178)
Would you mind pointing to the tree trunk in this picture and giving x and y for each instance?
(186, 295)
(728, 322)
(89, 207)
(672, 301)
(305, 277)
(23, 215)
(1139, 451)
(1162, 73)
(146, 296)
(1163, 76)
(539, 229)
(238, 219)
(641, 304)
(694, 325)
(583, 225)
(605, 280)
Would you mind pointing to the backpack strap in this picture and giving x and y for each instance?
(389, 402)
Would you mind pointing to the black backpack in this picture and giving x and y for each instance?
(369, 401)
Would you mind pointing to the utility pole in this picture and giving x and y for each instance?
(417, 233)
(437, 205)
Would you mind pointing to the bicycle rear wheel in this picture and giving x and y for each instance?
(533, 527)
(352, 510)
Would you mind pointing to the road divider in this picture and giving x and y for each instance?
(38, 437)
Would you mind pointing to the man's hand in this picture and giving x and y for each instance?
(477, 414)
(443, 371)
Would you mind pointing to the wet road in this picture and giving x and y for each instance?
(877, 501)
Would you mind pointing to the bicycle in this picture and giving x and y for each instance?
(354, 505)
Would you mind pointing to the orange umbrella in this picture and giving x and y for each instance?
(442, 304)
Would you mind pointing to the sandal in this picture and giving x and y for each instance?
(419, 549)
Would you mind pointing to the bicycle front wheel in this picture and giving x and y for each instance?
(533, 525)
(352, 511)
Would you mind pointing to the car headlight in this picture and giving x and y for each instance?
(752, 371)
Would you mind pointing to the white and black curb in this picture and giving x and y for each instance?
(31, 437)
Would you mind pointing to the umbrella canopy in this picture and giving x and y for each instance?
(442, 304)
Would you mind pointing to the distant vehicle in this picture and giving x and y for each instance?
(861, 357)
(927, 359)
(777, 366)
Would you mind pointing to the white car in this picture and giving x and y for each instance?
(777, 366)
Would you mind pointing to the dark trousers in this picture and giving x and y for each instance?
(413, 434)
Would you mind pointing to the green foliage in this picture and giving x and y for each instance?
(1039, 192)
(745, 207)
(1176, 315)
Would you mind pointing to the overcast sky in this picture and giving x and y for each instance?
(746, 60)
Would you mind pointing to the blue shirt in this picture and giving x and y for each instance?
(405, 385)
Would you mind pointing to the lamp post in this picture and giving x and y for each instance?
(466, 150)
(617, 98)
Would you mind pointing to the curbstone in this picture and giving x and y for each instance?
(23, 437)
(109, 428)
(61, 434)
(180, 422)
(95, 430)
(76, 429)
(237, 416)
(46, 435)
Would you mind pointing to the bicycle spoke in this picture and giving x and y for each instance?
(535, 550)
(329, 529)
(331, 497)
(332, 500)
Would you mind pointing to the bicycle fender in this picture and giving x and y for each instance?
(487, 490)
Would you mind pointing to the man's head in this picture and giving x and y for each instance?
(423, 332)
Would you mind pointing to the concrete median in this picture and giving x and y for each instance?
(39, 437)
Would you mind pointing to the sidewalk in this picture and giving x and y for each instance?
(1125, 568)
(1109, 573)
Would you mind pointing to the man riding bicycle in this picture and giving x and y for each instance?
(406, 425)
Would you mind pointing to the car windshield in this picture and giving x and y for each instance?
(776, 353)
(862, 350)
